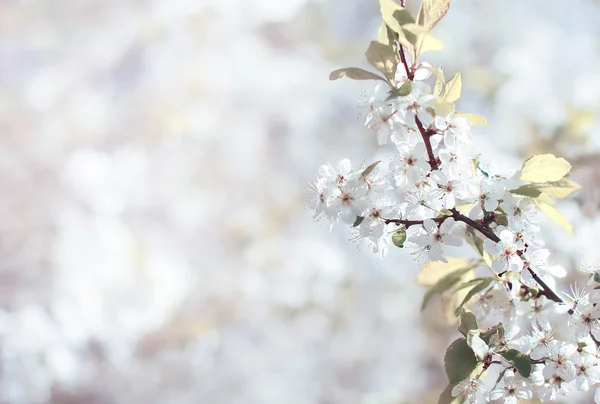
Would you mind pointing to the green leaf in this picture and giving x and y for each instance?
(526, 190)
(452, 89)
(459, 361)
(444, 284)
(403, 91)
(467, 322)
(358, 221)
(399, 237)
(368, 170)
(383, 58)
(446, 396)
(544, 168)
(519, 360)
(354, 73)
(484, 283)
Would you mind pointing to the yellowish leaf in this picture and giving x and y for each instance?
(387, 8)
(354, 73)
(546, 205)
(544, 168)
(421, 38)
(383, 58)
(487, 258)
(464, 208)
(474, 119)
(431, 272)
(452, 89)
(434, 11)
(442, 107)
(437, 72)
(559, 189)
(430, 42)
(382, 36)
(415, 29)
(456, 299)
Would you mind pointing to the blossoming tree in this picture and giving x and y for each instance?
(438, 192)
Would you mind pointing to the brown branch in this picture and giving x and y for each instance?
(409, 73)
(486, 231)
(408, 223)
(433, 161)
(595, 340)
(548, 292)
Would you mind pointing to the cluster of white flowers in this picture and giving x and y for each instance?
(437, 192)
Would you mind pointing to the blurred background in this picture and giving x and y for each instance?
(155, 246)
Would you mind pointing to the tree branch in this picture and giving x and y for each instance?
(433, 162)
(408, 223)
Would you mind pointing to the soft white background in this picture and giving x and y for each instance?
(154, 155)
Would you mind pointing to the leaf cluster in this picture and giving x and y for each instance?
(547, 179)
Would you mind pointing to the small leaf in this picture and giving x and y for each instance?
(544, 168)
(358, 221)
(399, 237)
(355, 73)
(545, 204)
(526, 190)
(484, 283)
(519, 360)
(370, 168)
(474, 119)
(459, 361)
(443, 285)
(452, 89)
(383, 58)
(467, 322)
